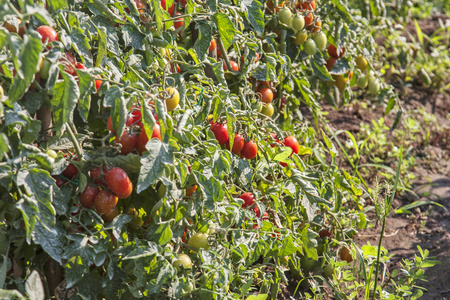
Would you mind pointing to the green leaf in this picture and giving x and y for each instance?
(218, 71)
(254, 12)
(201, 45)
(28, 60)
(102, 45)
(105, 11)
(114, 97)
(153, 163)
(64, 101)
(34, 287)
(81, 44)
(52, 240)
(330, 145)
(11, 294)
(287, 247)
(133, 37)
(211, 189)
(258, 297)
(57, 4)
(159, 15)
(320, 70)
(87, 87)
(284, 155)
(226, 29)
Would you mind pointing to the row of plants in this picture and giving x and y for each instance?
(155, 149)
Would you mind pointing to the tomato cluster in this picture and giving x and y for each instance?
(246, 149)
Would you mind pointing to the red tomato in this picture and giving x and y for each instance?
(98, 83)
(170, 10)
(143, 138)
(70, 171)
(128, 142)
(119, 183)
(68, 61)
(87, 197)
(308, 19)
(97, 175)
(330, 63)
(332, 51)
(105, 201)
(266, 94)
(220, 132)
(309, 5)
(190, 190)
(233, 64)
(248, 198)
(48, 34)
(80, 66)
(292, 142)
(178, 22)
(212, 45)
(109, 124)
(238, 143)
(249, 150)
(135, 117)
(274, 136)
(282, 103)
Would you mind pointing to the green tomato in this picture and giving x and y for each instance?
(300, 37)
(321, 40)
(51, 153)
(328, 271)
(362, 81)
(183, 260)
(188, 287)
(307, 263)
(374, 87)
(361, 62)
(198, 241)
(310, 47)
(161, 191)
(298, 22)
(284, 15)
(45, 69)
(267, 109)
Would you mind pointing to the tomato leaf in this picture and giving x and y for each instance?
(29, 63)
(204, 39)
(57, 4)
(153, 163)
(114, 97)
(64, 101)
(226, 29)
(253, 10)
(211, 189)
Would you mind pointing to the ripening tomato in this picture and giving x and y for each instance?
(98, 83)
(267, 109)
(170, 10)
(143, 138)
(48, 34)
(70, 171)
(105, 201)
(87, 197)
(109, 125)
(283, 102)
(233, 64)
(178, 22)
(291, 142)
(80, 66)
(308, 19)
(212, 45)
(361, 62)
(128, 142)
(173, 98)
(314, 27)
(191, 190)
(332, 51)
(97, 175)
(340, 81)
(238, 143)
(182, 261)
(135, 117)
(119, 183)
(68, 61)
(248, 198)
(270, 6)
(110, 215)
(266, 94)
(198, 241)
(220, 132)
(330, 63)
(250, 150)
